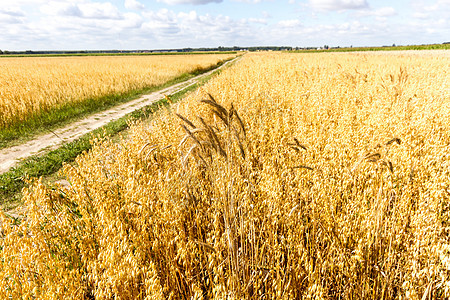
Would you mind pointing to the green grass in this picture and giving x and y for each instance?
(58, 117)
(114, 54)
(13, 181)
(390, 48)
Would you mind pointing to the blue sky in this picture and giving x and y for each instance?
(162, 24)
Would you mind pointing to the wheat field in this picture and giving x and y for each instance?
(288, 176)
(32, 85)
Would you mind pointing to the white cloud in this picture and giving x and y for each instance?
(289, 23)
(97, 10)
(440, 4)
(195, 2)
(382, 12)
(162, 22)
(385, 11)
(421, 15)
(11, 15)
(431, 11)
(199, 30)
(61, 9)
(6, 19)
(88, 10)
(258, 20)
(12, 11)
(69, 32)
(78, 24)
(133, 4)
(337, 5)
(249, 1)
(28, 2)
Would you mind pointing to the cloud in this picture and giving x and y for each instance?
(133, 4)
(249, 1)
(12, 11)
(61, 9)
(336, 5)
(266, 15)
(88, 10)
(6, 19)
(11, 15)
(194, 2)
(192, 29)
(440, 4)
(258, 20)
(80, 24)
(75, 33)
(385, 12)
(289, 23)
(29, 2)
(96, 10)
(382, 12)
(162, 23)
(427, 10)
(421, 15)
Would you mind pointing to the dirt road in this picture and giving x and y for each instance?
(9, 157)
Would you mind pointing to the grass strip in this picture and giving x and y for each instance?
(12, 182)
(115, 54)
(58, 117)
(388, 48)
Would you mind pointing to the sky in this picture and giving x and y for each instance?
(168, 24)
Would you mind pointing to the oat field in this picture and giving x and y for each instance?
(30, 86)
(288, 176)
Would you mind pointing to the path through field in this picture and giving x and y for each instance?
(9, 157)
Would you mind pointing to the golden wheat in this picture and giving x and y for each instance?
(32, 85)
(289, 176)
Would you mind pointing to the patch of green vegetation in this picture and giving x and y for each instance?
(70, 112)
(13, 181)
(114, 54)
(389, 48)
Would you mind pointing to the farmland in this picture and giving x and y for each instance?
(41, 91)
(288, 176)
